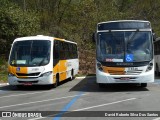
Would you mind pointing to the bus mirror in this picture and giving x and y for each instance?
(154, 36)
(94, 37)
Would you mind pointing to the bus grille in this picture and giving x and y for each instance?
(125, 72)
(116, 72)
(29, 74)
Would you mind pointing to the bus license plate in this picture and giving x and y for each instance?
(124, 78)
(27, 83)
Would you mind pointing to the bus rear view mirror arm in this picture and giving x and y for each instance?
(94, 37)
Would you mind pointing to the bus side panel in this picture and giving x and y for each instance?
(72, 67)
(55, 72)
(62, 70)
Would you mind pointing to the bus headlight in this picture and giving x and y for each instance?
(46, 74)
(150, 66)
(10, 75)
(99, 66)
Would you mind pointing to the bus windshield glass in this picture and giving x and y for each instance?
(30, 53)
(124, 46)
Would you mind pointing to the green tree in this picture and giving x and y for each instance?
(15, 22)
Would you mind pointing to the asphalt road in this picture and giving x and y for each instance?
(81, 95)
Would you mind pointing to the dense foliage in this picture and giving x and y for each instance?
(70, 19)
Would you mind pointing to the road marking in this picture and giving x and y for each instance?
(104, 104)
(88, 108)
(39, 101)
(67, 106)
(157, 118)
(26, 94)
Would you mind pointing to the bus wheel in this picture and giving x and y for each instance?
(20, 86)
(157, 70)
(143, 85)
(72, 75)
(57, 81)
(101, 85)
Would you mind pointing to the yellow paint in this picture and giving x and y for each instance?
(59, 39)
(60, 68)
(114, 70)
(13, 70)
(63, 69)
(22, 70)
(54, 79)
(55, 71)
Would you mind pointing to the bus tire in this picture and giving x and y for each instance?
(157, 70)
(57, 81)
(143, 85)
(72, 75)
(20, 86)
(101, 85)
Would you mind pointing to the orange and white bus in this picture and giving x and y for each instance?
(42, 60)
(124, 52)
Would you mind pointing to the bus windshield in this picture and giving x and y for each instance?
(124, 46)
(30, 53)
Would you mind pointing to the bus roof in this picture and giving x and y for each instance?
(124, 25)
(124, 21)
(41, 37)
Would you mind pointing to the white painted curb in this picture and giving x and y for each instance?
(1, 84)
(84, 77)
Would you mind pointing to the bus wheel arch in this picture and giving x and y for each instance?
(72, 74)
(157, 70)
(57, 80)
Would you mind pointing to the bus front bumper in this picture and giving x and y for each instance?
(146, 77)
(44, 80)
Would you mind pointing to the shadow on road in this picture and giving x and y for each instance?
(25, 88)
(89, 85)
(30, 88)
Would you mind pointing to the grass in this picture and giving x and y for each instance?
(3, 70)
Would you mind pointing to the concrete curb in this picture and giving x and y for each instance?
(84, 77)
(1, 84)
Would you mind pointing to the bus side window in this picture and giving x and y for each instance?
(155, 48)
(55, 52)
(75, 51)
(158, 49)
(61, 50)
(66, 51)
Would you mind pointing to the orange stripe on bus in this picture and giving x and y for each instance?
(114, 70)
(13, 70)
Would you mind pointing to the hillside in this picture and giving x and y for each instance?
(73, 20)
